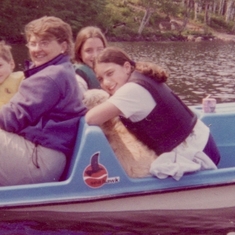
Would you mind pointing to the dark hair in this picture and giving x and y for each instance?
(118, 56)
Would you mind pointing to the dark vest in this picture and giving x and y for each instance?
(169, 123)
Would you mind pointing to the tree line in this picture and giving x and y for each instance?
(117, 18)
(214, 13)
(15, 14)
(212, 8)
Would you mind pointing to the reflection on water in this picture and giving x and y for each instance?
(196, 69)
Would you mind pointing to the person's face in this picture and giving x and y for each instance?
(6, 69)
(112, 76)
(43, 50)
(90, 49)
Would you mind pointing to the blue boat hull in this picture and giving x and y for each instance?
(95, 180)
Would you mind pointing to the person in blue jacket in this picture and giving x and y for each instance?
(89, 42)
(38, 126)
(148, 107)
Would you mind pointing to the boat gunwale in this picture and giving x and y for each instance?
(74, 190)
(96, 198)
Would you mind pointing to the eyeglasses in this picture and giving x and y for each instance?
(42, 44)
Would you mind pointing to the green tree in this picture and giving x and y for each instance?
(78, 13)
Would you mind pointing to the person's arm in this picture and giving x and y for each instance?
(101, 113)
(36, 96)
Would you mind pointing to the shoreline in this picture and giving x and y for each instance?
(216, 36)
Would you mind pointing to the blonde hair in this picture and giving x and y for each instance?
(118, 56)
(50, 27)
(84, 34)
(5, 52)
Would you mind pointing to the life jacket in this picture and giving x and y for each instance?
(10, 86)
(88, 75)
(168, 124)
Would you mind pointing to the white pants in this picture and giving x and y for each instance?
(21, 162)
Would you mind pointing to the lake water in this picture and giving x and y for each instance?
(196, 70)
(212, 222)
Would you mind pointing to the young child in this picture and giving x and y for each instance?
(89, 42)
(9, 80)
(149, 109)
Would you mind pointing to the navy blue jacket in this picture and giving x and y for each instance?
(47, 107)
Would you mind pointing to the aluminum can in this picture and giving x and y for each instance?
(208, 105)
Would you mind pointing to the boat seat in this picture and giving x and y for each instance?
(70, 162)
(222, 127)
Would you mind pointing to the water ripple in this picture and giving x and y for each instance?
(196, 69)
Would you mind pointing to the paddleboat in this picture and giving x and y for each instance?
(96, 182)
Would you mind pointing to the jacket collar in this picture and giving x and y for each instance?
(31, 70)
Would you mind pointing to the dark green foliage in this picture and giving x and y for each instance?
(170, 8)
(219, 24)
(119, 19)
(16, 13)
